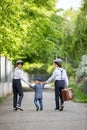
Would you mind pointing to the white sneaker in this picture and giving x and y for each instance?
(61, 108)
(20, 108)
(15, 109)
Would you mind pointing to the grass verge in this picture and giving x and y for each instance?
(1, 99)
(79, 94)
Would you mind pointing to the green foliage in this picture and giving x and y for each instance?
(35, 68)
(34, 31)
(50, 69)
(69, 69)
(69, 17)
(41, 68)
(79, 95)
(79, 46)
(1, 99)
(27, 29)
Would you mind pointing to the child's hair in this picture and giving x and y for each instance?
(58, 64)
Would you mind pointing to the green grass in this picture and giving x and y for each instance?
(1, 99)
(79, 94)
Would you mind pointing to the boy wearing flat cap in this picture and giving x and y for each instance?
(17, 87)
(60, 80)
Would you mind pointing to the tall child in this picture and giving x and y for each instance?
(17, 87)
(60, 80)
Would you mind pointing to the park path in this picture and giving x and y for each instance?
(74, 116)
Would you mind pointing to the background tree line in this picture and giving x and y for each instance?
(36, 32)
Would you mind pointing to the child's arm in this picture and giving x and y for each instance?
(31, 86)
(43, 84)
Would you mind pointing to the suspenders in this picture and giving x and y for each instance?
(61, 73)
(61, 83)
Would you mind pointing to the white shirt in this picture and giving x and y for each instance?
(18, 75)
(58, 74)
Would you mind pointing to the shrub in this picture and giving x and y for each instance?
(82, 69)
(79, 94)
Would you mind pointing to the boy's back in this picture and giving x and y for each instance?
(38, 88)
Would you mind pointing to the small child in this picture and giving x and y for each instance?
(38, 88)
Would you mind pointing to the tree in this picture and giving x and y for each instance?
(79, 46)
(29, 29)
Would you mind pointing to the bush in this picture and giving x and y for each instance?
(79, 95)
(82, 69)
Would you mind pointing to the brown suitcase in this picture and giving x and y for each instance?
(67, 94)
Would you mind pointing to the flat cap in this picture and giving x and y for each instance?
(19, 61)
(58, 60)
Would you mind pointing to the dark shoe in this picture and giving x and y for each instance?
(21, 109)
(41, 109)
(61, 108)
(56, 109)
(37, 108)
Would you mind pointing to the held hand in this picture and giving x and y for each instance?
(44, 83)
(29, 84)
